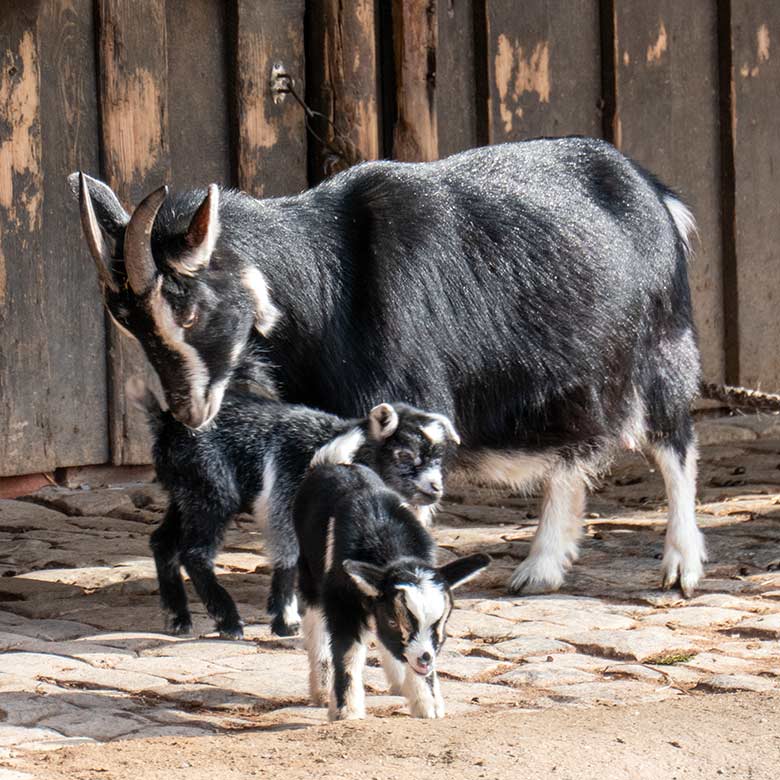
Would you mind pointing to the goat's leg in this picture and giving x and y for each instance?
(395, 670)
(282, 601)
(347, 696)
(555, 544)
(684, 550)
(173, 598)
(199, 564)
(283, 550)
(316, 640)
(423, 694)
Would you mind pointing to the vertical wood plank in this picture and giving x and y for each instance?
(271, 136)
(456, 98)
(415, 36)
(198, 104)
(544, 68)
(342, 49)
(136, 159)
(667, 119)
(755, 40)
(76, 401)
(24, 368)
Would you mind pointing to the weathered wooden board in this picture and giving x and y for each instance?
(198, 89)
(271, 135)
(544, 68)
(73, 321)
(415, 37)
(136, 160)
(24, 366)
(755, 39)
(666, 80)
(342, 78)
(456, 96)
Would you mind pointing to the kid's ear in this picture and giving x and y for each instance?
(461, 570)
(382, 422)
(365, 575)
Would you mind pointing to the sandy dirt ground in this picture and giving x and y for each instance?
(729, 735)
(609, 678)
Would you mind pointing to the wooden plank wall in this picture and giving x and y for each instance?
(141, 92)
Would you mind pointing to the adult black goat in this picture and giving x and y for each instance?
(536, 293)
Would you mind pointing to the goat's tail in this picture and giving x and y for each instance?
(684, 221)
(143, 398)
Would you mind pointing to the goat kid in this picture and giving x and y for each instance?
(252, 459)
(366, 561)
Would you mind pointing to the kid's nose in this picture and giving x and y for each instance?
(424, 658)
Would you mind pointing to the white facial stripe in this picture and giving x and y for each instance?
(430, 480)
(425, 601)
(340, 450)
(329, 544)
(172, 336)
(434, 432)
(266, 314)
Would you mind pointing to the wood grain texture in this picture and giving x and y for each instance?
(667, 119)
(755, 40)
(271, 136)
(342, 49)
(456, 98)
(24, 368)
(415, 36)
(544, 68)
(75, 332)
(136, 159)
(198, 104)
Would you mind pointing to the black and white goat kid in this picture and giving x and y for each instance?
(252, 458)
(366, 562)
(536, 293)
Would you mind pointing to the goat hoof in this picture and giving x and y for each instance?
(231, 632)
(180, 626)
(282, 628)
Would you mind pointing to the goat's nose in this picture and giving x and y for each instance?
(424, 658)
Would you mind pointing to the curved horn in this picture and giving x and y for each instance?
(97, 244)
(139, 263)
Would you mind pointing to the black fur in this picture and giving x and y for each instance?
(350, 525)
(214, 473)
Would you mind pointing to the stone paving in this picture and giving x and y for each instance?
(83, 658)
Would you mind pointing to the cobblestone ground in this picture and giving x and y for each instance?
(83, 658)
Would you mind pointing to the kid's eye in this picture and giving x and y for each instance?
(190, 319)
(392, 623)
(404, 456)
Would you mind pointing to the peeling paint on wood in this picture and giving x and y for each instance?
(133, 97)
(415, 37)
(668, 111)
(271, 136)
(342, 37)
(656, 50)
(756, 150)
(544, 68)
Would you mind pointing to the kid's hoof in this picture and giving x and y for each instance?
(180, 626)
(282, 628)
(231, 632)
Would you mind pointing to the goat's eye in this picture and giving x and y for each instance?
(392, 623)
(404, 456)
(190, 319)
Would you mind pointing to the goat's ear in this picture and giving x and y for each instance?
(365, 575)
(461, 570)
(201, 237)
(446, 426)
(108, 210)
(382, 422)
